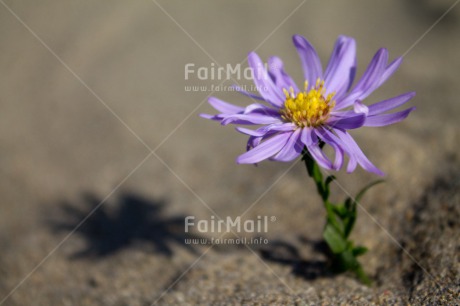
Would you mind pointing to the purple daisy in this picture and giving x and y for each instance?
(321, 113)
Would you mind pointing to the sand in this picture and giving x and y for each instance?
(95, 87)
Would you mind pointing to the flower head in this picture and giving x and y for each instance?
(322, 112)
(308, 108)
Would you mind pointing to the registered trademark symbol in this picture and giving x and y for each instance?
(272, 218)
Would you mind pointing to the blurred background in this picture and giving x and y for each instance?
(88, 89)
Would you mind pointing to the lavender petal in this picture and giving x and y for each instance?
(387, 119)
(335, 143)
(250, 119)
(391, 68)
(291, 149)
(264, 83)
(356, 152)
(281, 78)
(341, 68)
(246, 93)
(224, 107)
(368, 82)
(350, 122)
(264, 150)
(390, 104)
(310, 140)
(311, 63)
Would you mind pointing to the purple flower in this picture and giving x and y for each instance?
(321, 112)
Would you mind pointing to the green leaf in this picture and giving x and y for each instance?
(359, 250)
(349, 223)
(341, 211)
(349, 261)
(348, 203)
(327, 183)
(334, 240)
(351, 206)
(359, 271)
(346, 261)
(329, 179)
(350, 217)
(365, 189)
(332, 219)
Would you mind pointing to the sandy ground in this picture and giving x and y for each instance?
(88, 89)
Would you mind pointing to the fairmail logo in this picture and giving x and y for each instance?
(227, 72)
(229, 224)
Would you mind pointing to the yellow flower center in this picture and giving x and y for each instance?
(308, 109)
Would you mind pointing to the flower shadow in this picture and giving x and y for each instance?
(287, 254)
(134, 221)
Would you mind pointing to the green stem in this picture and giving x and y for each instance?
(339, 223)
